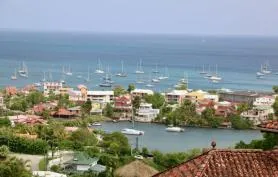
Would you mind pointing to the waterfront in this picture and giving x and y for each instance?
(238, 58)
(157, 138)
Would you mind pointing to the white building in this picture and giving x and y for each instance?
(176, 96)
(146, 113)
(54, 87)
(101, 96)
(141, 92)
(258, 114)
(264, 101)
(212, 97)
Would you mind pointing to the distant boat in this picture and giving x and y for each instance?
(150, 80)
(122, 73)
(215, 78)
(14, 77)
(155, 80)
(95, 124)
(63, 76)
(99, 69)
(129, 131)
(43, 79)
(165, 76)
(203, 71)
(37, 84)
(174, 129)
(88, 76)
(208, 75)
(23, 70)
(156, 70)
(69, 72)
(184, 80)
(139, 69)
(265, 68)
(107, 80)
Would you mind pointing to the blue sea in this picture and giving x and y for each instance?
(238, 58)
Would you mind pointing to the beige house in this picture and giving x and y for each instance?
(258, 114)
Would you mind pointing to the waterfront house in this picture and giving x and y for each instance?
(83, 162)
(123, 107)
(258, 114)
(79, 95)
(39, 108)
(212, 97)
(62, 113)
(228, 163)
(196, 96)
(176, 96)
(101, 96)
(54, 87)
(141, 92)
(26, 119)
(204, 104)
(97, 107)
(242, 96)
(264, 101)
(75, 110)
(146, 113)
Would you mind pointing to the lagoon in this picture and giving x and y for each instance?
(157, 138)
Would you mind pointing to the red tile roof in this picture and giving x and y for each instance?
(269, 126)
(63, 112)
(228, 163)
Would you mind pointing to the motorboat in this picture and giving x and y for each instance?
(174, 129)
(95, 124)
(129, 131)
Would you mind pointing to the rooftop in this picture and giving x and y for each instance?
(227, 163)
(269, 126)
(177, 92)
(147, 91)
(100, 93)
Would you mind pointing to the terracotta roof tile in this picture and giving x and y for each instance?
(228, 163)
(270, 126)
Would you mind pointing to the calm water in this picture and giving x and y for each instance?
(238, 58)
(157, 138)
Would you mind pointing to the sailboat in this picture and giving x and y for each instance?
(139, 69)
(150, 80)
(165, 76)
(43, 79)
(63, 76)
(265, 69)
(208, 75)
(99, 68)
(88, 76)
(203, 71)
(132, 131)
(122, 73)
(156, 70)
(23, 71)
(260, 73)
(107, 80)
(215, 78)
(69, 73)
(14, 77)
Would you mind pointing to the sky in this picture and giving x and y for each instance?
(196, 17)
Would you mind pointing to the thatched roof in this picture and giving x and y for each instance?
(136, 168)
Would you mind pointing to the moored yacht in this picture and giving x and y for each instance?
(174, 129)
(129, 131)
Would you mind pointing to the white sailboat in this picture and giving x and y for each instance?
(203, 71)
(215, 78)
(63, 76)
(156, 70)
(149, 84)
(122, 73)
(23, 70)
(165, 76)
(88, 76)
(265, 69)
(139, 69)
(99, 69)
(69, 72)
(14, 77)
(43, 79)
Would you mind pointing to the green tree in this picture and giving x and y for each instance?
(116, 143)
(275, 89)
(275, 106)
(108, 110)
(130, 87)
(243, 107)
(157, 100)
(240, 123)
(119, 90)
(182, 87)
(13, 167)
(136, 102)
(4, 151)
(86, 107)
(35, 97)
(5, 122)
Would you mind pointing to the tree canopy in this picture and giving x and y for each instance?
(157, 100)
